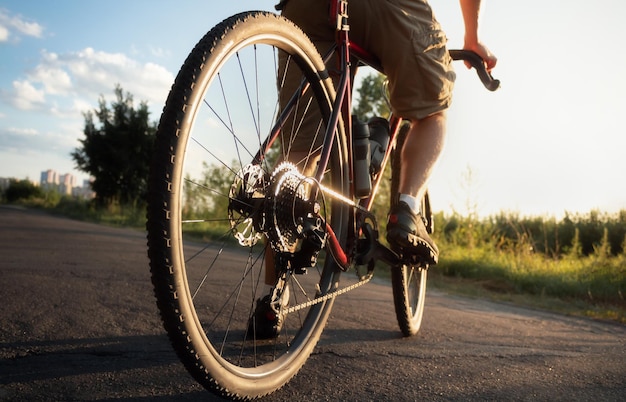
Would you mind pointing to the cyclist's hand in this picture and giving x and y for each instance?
(489, 58)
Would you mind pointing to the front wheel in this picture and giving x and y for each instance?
(409, 281)
(409, 294)
(224, 134)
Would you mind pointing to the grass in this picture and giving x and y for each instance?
(483, 275)
(497, 291)
(585, 286)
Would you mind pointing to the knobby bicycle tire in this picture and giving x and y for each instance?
(206, 258)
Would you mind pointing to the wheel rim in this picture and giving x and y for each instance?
(215, 298)
(416, 292)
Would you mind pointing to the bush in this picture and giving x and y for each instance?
(579, 235)
(22, 190)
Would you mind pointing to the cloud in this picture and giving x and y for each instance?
(14, 139)
(27, 140)
(49, 100)
(55, 81)
(24, 152)
(26, 96)
(4, 33)
(14, 26)
(62, 82)
(97, 72)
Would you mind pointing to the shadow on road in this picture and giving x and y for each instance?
(41, 360)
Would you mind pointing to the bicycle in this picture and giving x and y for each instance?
(226, 197)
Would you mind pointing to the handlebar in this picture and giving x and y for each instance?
(477, 62)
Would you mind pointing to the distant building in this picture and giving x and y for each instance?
(65, 184)
(84, 191)
(49, 180)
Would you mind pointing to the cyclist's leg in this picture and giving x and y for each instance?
(411, 47)
(410, 44)
(406, 230)
(425, 104)
(312, 18)
(421, 151)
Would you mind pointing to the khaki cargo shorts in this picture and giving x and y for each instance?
(403, 35)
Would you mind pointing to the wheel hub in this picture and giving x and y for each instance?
(277, 205)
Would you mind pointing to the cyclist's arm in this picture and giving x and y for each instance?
(471, 10)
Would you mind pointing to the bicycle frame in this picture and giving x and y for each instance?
(349, 55)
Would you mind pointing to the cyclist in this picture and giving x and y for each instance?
(410, 45)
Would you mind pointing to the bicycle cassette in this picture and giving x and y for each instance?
(289, 206)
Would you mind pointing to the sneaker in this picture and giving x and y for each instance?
(407, 235)
(265, 323)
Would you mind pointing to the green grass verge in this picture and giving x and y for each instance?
(587, 286)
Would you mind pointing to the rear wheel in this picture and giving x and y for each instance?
(224, 178)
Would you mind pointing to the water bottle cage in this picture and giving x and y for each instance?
(376, 158)
(370, 142)
(379, 141)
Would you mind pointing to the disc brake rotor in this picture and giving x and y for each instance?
(246, 203)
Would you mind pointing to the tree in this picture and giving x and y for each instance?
(372, 98)
(117, 153)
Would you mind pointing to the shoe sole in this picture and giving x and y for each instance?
(411, 244)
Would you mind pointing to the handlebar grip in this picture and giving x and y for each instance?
(477, 62)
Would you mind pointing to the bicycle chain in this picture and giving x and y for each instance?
(362, 281)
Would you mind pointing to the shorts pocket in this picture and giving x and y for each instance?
(429, 40)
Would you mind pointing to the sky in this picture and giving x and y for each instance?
(551, 141)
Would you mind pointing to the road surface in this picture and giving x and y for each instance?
(79, 322)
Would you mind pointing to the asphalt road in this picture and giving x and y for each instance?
(78, 322)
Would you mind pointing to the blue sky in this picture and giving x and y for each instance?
(551, 140)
